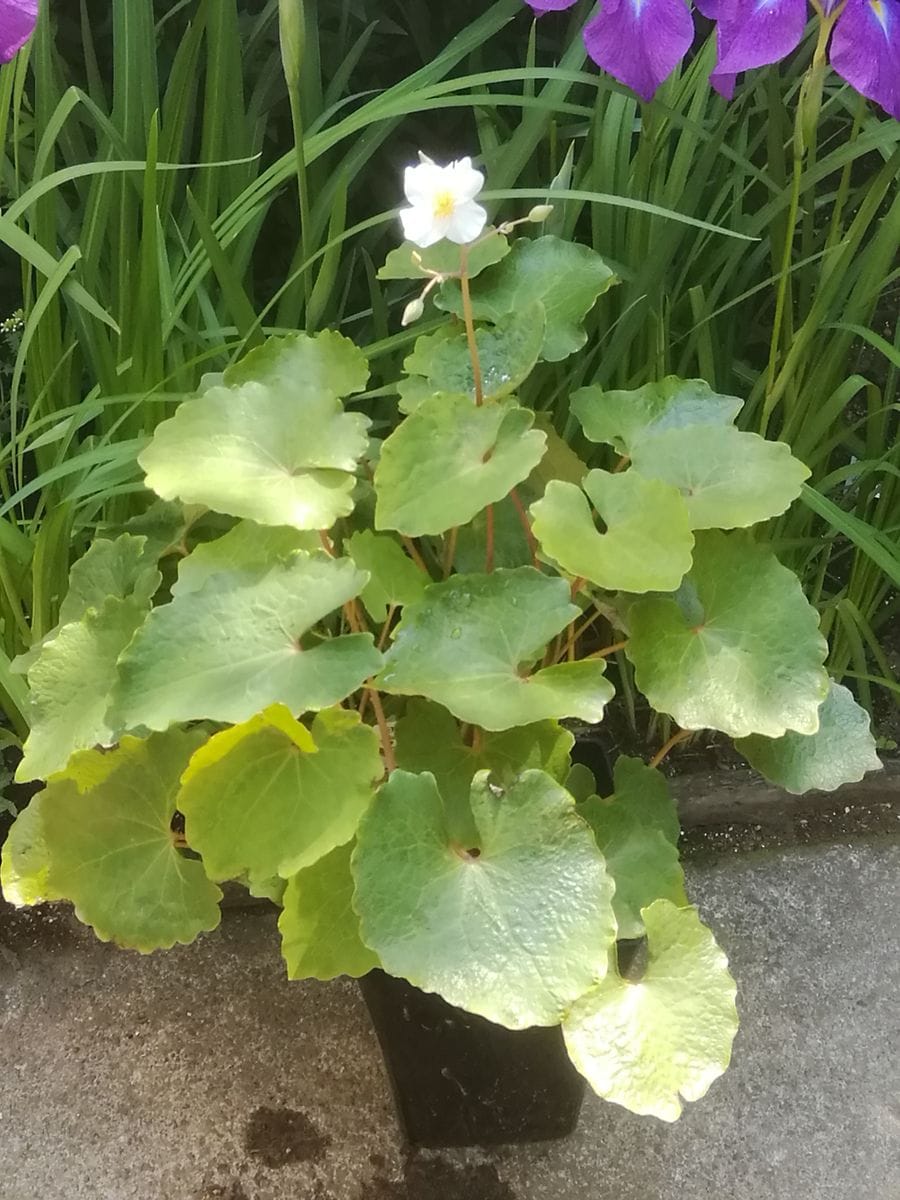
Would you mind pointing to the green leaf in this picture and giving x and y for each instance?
(274, 445)
(647, 544)
(841, 751)
(648, 1045)
(326, 362)
(738, 649)
(119, 568)
(111, 847)
(122, 569)
(728, 479)
(567, 278)
(634, 829)
(510, 545)
(71, 686)
(25, 865)
(165, 524)
(449, 459)
(394, 579)
(507, 353)
(624, 419)
(466, 643)
(444, 258)
(515, 927)
(319, 929)
(241, 642)
(429, 738)
(269, 797)
(247, 545)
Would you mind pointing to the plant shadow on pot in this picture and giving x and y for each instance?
(460, 1080)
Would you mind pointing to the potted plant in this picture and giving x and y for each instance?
(335, 669)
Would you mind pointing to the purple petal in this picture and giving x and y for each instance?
(754, 33)
(865, 50)
(17, 21)
(710, 8)
(640, 42)
(545, 6)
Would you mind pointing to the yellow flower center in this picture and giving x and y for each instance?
(444, 204)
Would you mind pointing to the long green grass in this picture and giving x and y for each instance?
(163, 211)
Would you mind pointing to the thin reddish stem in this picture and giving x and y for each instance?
(387, 746)
(680, 736)
(450, 550)
(413, 551)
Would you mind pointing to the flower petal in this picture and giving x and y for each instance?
(640, 42)
(465, 182)
(466, 224)
(419, 226)
(545, 6)
(865, 50)
(754, 33)
(421, 182)
(17, 21)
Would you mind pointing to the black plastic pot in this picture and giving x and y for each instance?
(459, 1080)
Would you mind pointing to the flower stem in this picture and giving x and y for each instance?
(470, 325)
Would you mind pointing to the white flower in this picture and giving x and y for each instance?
(443, 203)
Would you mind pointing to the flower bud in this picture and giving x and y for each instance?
(540, 213)
(413, 311)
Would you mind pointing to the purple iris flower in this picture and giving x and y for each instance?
(17, 21)
(639, 42)
(865, 45)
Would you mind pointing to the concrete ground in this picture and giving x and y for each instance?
(203, 1075)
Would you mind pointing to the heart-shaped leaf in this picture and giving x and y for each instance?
(841, 751)
(507, 353)
(120, 568)
(738, 649)
(634, 829)
(71, 684)
(394, 579)
(246, 545)
(624, 419)
(728, 479)
(449, 459)
(270, 797)
(649, 1044)
(444, 258)
(241, 642)
(514, 927)
(647, 544)
(469, 643)
(565, 277)
(429, 738)
(319, 929)
(25, 864)
(107, 829)
(273, 444)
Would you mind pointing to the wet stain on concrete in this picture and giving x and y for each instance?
(439, 1179)
(281, 1136)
